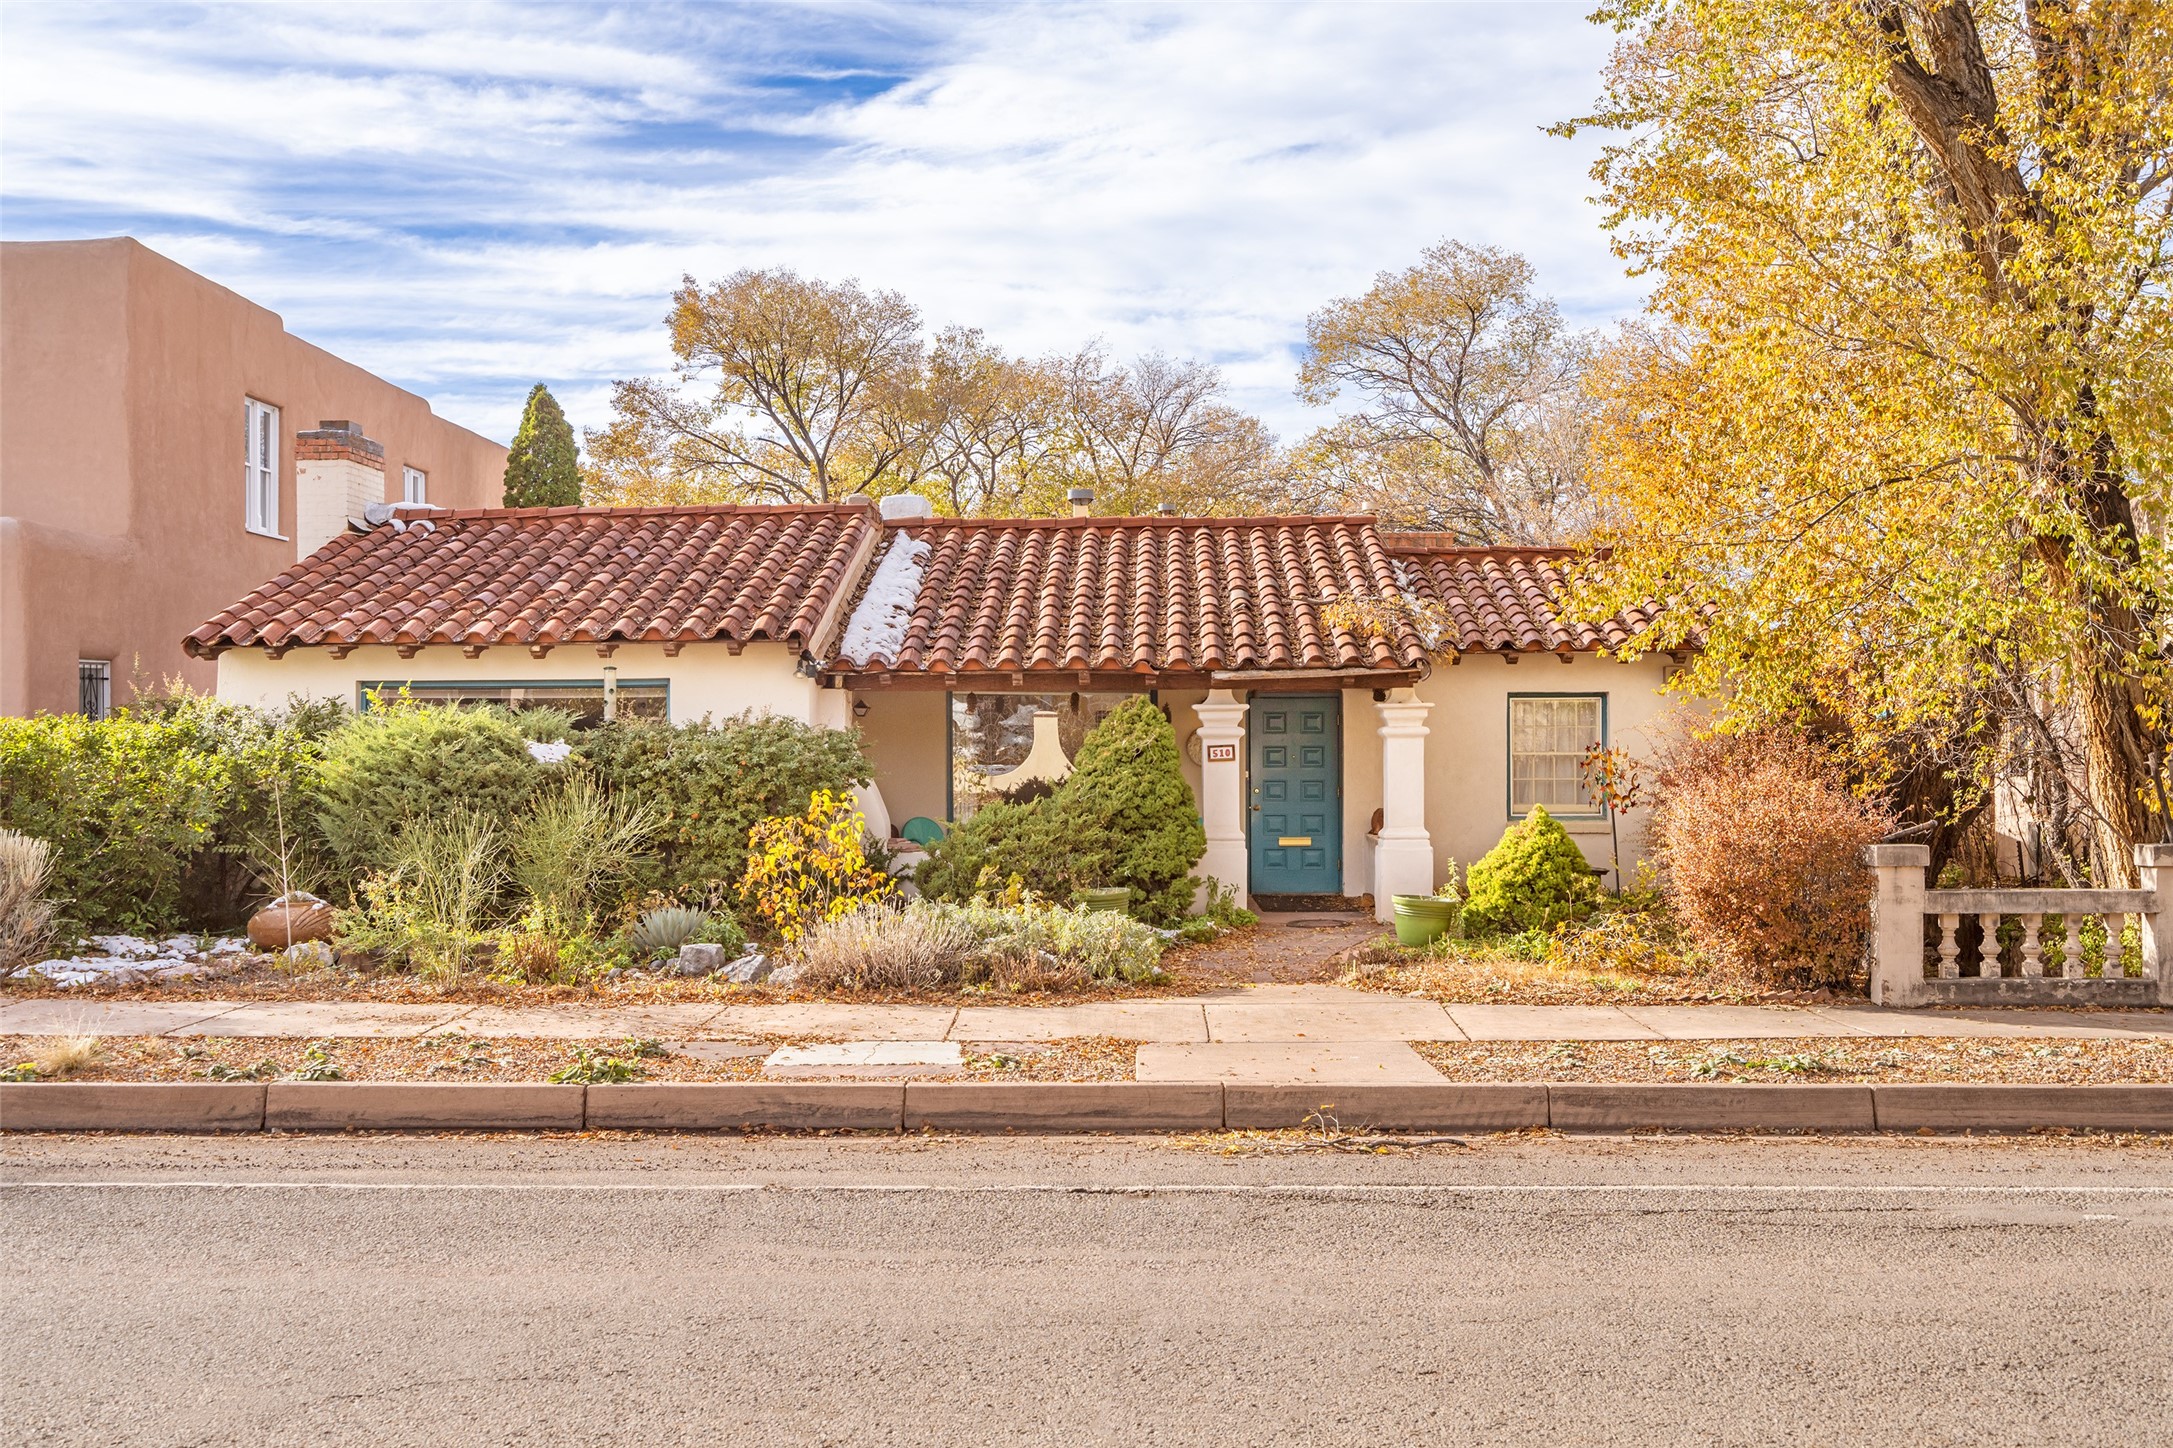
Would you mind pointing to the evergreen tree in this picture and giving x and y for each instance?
(542, 468)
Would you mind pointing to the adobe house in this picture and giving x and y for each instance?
(168, 446)
(1325, 763)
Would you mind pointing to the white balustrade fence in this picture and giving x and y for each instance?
(2019, 947)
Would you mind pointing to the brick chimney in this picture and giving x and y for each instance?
(337, 473)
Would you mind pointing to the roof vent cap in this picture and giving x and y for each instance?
(905, 505)
(1082, 501)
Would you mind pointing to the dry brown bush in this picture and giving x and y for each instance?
(1761, 839)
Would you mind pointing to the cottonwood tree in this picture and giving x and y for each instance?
(794, 390)
(1901, 418)
(1160, 432)
(1470, 417)
(784, 388)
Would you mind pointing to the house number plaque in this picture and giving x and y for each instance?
(1222, 754)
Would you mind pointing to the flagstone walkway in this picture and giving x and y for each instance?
(1240, 1015)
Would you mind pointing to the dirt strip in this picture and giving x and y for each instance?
(463, 1058)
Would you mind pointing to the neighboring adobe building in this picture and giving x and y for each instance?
(972, 653)
(164, 448)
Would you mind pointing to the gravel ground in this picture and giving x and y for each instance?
(461, 1058)
(1826, 1059)
(467, 1058)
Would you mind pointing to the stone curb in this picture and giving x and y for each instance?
(1063, 1106)
(1693, 1106)
(131, 1106)
(421, 1106)
(743, 1105)
(1958, 1106)
(1450, 1106)
(1053, 1107)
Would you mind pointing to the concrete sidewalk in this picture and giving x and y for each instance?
(1237, 1017)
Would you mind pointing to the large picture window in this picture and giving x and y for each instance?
(993, 738)
(1548, 736)
(582, 698)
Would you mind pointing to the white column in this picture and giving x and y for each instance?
(1897, 923)
(2154, 863)
(1222, 797)
(1403, 856)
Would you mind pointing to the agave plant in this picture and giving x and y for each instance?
(667, 927)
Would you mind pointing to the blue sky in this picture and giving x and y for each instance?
(470, 198)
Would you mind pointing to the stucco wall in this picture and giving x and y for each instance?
(122, 382)
(907, 742)
(1467, 748)
(706, 679)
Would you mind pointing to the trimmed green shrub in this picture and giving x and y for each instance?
(402, 764)
(1533, 880)
(1127, 795)
(166, 814)
(708, 784)
(1124, 816)
(1003, 841)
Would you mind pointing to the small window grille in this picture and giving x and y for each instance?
(94, 687)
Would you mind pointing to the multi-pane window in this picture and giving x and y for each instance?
(94, 687)
(582, 698)
(414, 486)
(1548, 736)
(260, 480)
(992, 735)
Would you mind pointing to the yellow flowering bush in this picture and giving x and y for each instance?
(808, 869)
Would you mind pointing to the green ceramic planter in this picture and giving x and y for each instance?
(1423, 919)
(1112, 899)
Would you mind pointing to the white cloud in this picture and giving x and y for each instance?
(468, 198)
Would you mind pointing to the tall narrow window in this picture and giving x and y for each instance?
(415, 486)
(260, 482)
(94, 687)
(1548, 735)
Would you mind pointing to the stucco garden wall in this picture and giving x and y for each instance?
(705, 679)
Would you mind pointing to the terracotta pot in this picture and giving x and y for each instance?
(277, 926)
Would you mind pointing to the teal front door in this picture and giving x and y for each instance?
(1296, 765)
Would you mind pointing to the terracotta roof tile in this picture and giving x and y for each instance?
(561, 575)
(1138, 595)
(1504, 598)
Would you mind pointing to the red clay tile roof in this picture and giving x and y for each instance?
(561, 575)
(1503, 598)
(1137, 595)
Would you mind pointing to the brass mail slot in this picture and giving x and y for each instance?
(1294, 840)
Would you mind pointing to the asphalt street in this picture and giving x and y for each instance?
(698, 1290)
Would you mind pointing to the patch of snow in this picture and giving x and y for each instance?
(877, 627)
(544, 753)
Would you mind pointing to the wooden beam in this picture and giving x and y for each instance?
(537, 651)
(407, 651)
(671, 648)
(472, 651)
(340, 651)
(1511, 656)
(606, 650)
